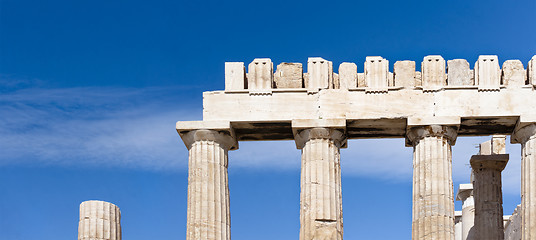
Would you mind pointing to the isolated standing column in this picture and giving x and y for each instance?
(433, 203)
(99, 221)
(488, 195)
(320, 198)
(526, 135)
(208, 215)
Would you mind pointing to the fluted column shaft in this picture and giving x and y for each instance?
(433, 203)
(99, 221)
(468, 218)
(465, 194)
(528, 189)
(488, 195)
(527, 137)
(321, 198)
(208, 215)
(458, 225)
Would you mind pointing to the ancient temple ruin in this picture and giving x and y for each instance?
(321, 110)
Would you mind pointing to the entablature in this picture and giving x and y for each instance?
(376, 103)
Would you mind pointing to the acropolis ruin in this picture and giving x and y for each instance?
(321, 109)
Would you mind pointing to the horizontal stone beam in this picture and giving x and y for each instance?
(269, 117)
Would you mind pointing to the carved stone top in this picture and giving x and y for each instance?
(464, 191)
(415, 134)
(306, 129)
(305, 135)
(524, 133)
(221, 137)
(218, 131)
(495, 161)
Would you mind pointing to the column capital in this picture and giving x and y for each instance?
(218, 131)
(306, 129)
(525, 128)
(421, 127)
(457, 215)
(464, 191)
(494, 161)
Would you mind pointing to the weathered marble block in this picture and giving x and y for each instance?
(235, 76)
(404, 74)
(531, 71)
(418, 78)
(512, 228)
(336, 81)
(361, 80)
(494, 146)
(320, 74)
(487, 72)
(348, 75)
(472, 76)
(459, 73)
(377, 73)
(260, 74)
(433, 72)
(289, 75)
(513, 73)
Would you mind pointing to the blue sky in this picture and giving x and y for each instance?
(90, 92)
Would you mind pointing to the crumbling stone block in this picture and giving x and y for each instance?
(235, 76)
(459, 73)
(404, 74)
(348, 75)
(513, 73)
(289, 75)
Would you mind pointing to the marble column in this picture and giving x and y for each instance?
(208, 214)
(465, 194)
(99, 221)
(320, 198)
(433, 202)
(488, 195)
(525, 133)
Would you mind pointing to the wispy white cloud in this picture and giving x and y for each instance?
(93, 126)
(9, 82)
